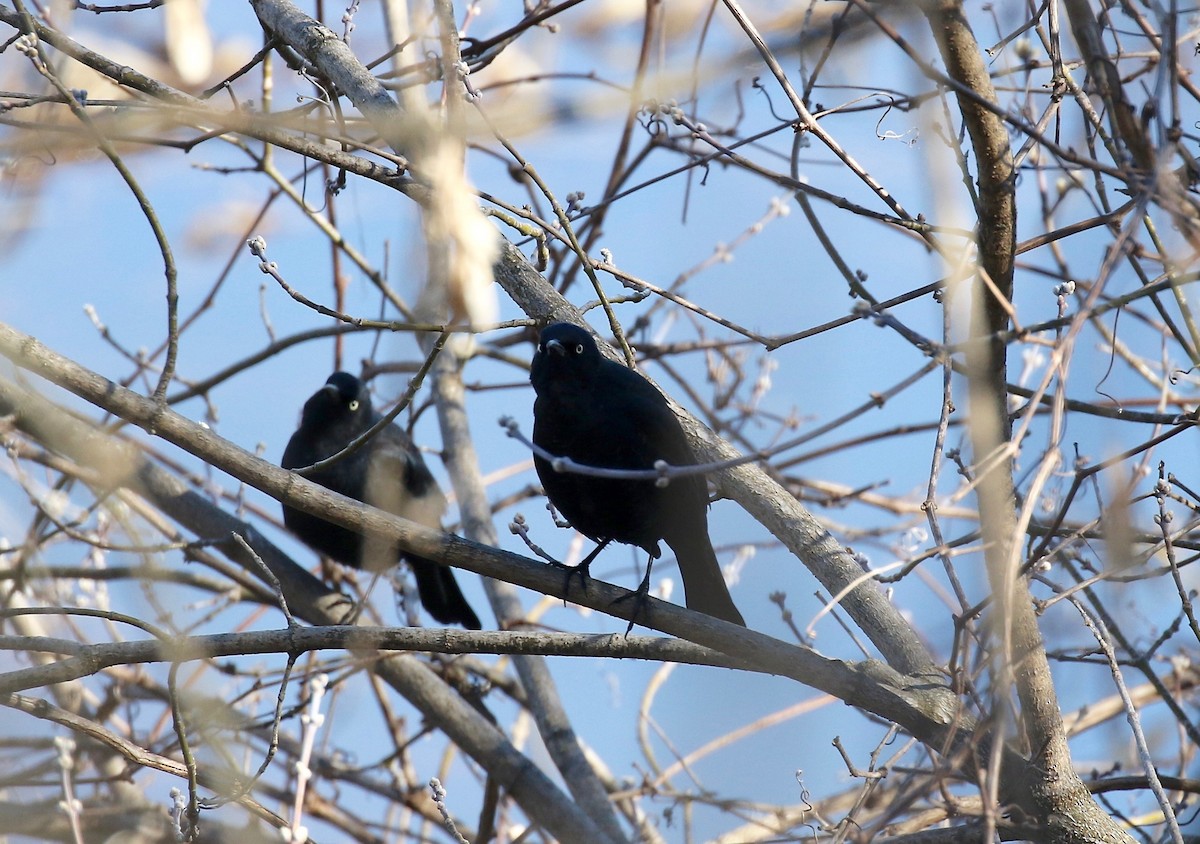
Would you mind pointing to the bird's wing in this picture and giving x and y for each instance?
(648, 424)
(399, 481)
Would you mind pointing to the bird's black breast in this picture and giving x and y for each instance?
(347, 477)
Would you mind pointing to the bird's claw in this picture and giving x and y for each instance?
(641, 603)
(580, 571)
(583, 569)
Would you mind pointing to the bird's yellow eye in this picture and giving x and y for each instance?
(579, 349)
(353, 404)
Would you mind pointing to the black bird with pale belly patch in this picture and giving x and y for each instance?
(602, 414)
(388, 472)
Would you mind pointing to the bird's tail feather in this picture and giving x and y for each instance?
(703, 584)
(440, 594)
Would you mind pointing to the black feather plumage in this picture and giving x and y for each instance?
(602, 414)
(387, 472)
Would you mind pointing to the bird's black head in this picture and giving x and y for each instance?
(563, 351)
(343, 399)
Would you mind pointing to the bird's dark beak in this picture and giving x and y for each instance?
(556, 347)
